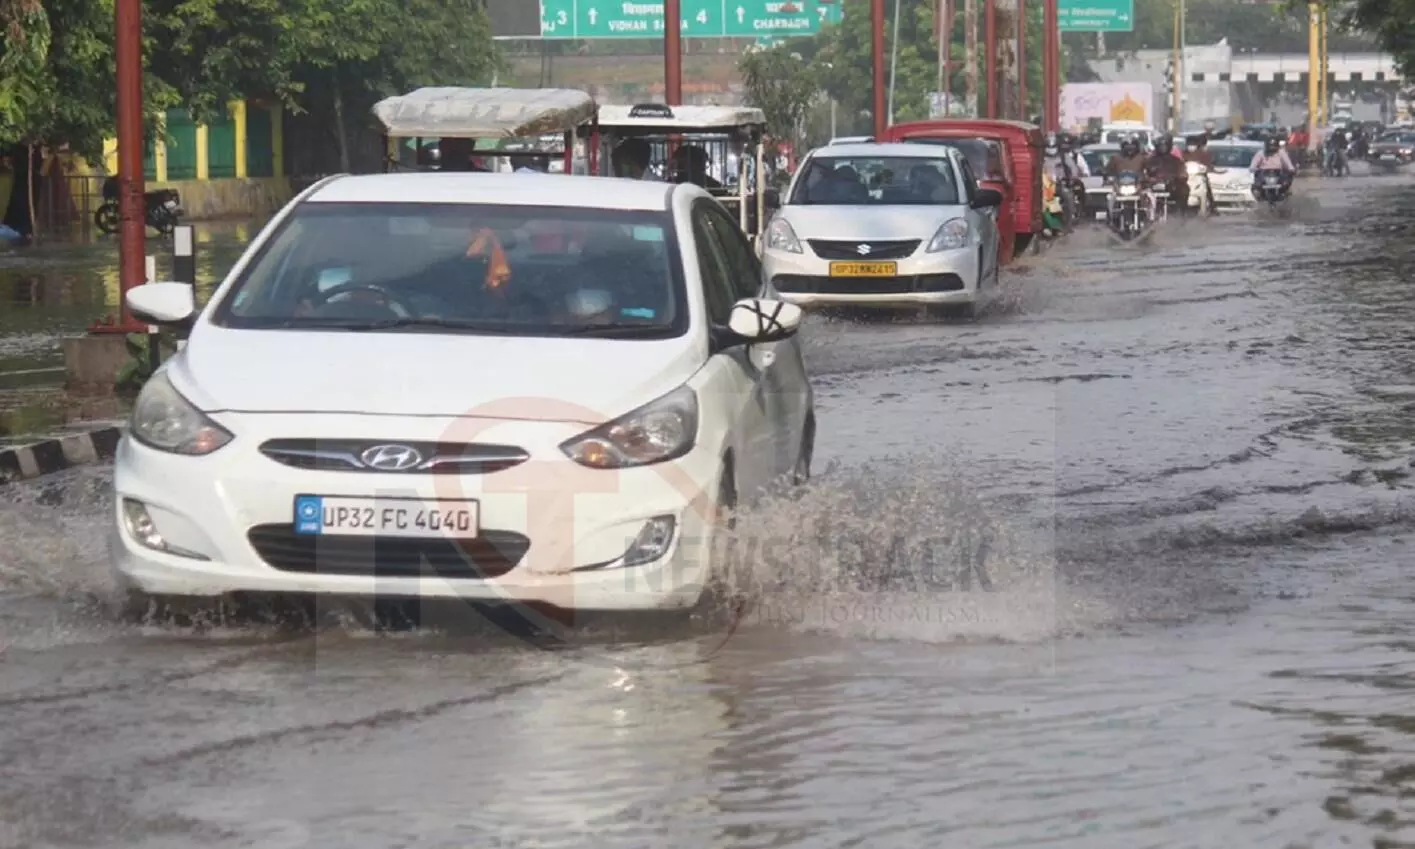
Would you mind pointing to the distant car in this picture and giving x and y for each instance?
(1097, 156)
(445, 385)
(851, 140)
(1393, 149)
(1231, 180)
(886, 225)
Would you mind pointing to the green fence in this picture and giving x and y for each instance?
(260, 143)
(181, 145)
(221, 148)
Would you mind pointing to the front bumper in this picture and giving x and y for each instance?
(922, 279)
(550, 530)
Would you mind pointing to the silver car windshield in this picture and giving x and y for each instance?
(876, 181)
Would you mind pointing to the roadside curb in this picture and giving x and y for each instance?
(85, 444)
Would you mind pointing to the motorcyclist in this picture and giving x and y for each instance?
(1197, 150)
(1335, 144)
(1164, 166)
(1272, 158)
(1128, 161)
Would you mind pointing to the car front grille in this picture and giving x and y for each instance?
(492, 554)
(917, 284)
(438, 458)
(851, 250)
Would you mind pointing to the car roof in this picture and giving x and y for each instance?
(895, 149)
(496, 188)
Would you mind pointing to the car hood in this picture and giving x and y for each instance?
(431, 374)
(880, 223)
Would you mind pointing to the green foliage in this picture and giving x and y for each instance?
(1392, 22)
(782, 84)
(138, 369)
(57, 59)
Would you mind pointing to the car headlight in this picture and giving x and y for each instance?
(780, 237)
(1194, 168)
(164, 420)
(1127, 190)
(664, 429)
(951, 236)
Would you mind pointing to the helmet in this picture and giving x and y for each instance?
(1129, 147)
(1271, 146)
(1065, 141)
(1051, 144)
(1164, 144)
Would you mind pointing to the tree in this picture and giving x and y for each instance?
(783, 85)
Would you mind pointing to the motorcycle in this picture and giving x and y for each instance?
(1197, 169)
(1334, 161)
(1131, 207)
(1272, 187)
(163, 209)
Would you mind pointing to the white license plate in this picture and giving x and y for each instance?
(1101, 216)
(430, 518)
(1388, 156)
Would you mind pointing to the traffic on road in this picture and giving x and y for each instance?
(975, 486)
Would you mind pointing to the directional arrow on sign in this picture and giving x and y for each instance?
(741, 14)
(594, 13)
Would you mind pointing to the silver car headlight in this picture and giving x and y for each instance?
(661, 430)
(164, 420)
(780, 237)
(951, 236)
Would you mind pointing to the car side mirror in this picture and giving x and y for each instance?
(162, 303)
(764, 320)
(987, 199)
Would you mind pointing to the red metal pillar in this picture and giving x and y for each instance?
(990, 73)
(1051, 67)
(1022, 61)
(877, 46)
(132, 215)
(673, 52)
(945, 43)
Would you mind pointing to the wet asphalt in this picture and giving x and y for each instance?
(1192, 627)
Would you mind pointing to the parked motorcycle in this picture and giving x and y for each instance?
(1131, 207)
(163, 209)
(1272, 187)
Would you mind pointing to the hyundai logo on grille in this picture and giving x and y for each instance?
(864, 250)
(391, 458)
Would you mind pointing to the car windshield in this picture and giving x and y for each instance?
(876, 181)
(1232, 156)
(464, 268)
(1096, 160)
(1118, 136)
(984, 155)
(1398, 138)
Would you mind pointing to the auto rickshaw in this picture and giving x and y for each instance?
(732, 137)
(521, 125)
(1010, 156)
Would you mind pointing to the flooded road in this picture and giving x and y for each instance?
(1196, 628)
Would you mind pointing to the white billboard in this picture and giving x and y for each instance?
(1108, 102)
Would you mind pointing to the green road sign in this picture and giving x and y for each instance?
(1096, 15)
(593, 19)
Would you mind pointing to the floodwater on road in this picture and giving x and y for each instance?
(1195, 628)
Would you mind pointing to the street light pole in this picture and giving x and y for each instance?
(1051, 66)
(990, 55)
(877, 49)
(893, 62)
(132, 271)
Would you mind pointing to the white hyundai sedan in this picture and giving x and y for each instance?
(449, 385)
(887, 225)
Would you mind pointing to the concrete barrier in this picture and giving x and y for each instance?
(85, 444)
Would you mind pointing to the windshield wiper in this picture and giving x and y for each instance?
(412, 321)
(627, 331)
